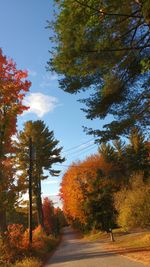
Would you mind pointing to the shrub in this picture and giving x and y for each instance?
(29, 262)
(15, 235)
(16, 246)
(134, 210)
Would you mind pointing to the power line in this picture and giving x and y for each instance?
(84, 150)
(74, 166)
(78, 146)
(78, 151)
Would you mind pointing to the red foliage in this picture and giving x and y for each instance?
(48, 212)
(15, 235)
(13, 88)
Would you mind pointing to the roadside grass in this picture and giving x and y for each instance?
(95, 234)
(134, 244)
(133, 240)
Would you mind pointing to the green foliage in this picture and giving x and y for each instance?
(137, 152)
(45, 152)
(100, 208)
(133, 205)
(129, 158)
(100, 46)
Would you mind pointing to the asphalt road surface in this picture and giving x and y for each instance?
(73, 251)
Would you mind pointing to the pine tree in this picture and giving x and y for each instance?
(46, 153)
(104, 47)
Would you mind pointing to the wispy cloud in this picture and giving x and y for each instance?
(51, 182)
(48, 79)
(32, 73)
(40, 104)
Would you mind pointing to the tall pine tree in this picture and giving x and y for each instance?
(46, 153)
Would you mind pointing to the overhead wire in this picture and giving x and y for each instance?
(78, 146)
(80, 150)
(83, 151)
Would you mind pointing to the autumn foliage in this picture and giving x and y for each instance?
(14, 235)
(48, 214)
(78, 184)
(13, 86)
(91, 189)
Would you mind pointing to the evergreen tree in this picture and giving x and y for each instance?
(137, 152)
(46, 153)
(104, 46)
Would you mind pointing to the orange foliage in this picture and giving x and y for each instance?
(16, 244)
(77, 182)
(15, 235)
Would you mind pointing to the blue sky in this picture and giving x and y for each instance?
(25, 40)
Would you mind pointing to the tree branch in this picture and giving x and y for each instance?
(117, 49)
(107, 14)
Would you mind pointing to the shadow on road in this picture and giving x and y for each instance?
(74, 248)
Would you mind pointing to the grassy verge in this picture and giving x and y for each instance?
(93, 236)
(135, 245)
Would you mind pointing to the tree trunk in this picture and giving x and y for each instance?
(3, 224)
(39, 205)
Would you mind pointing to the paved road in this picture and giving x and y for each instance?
(75, 252)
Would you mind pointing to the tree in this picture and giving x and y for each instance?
(129, 158)
(137, 153)
(46, 154)
(13, 86)
(48, 214)
(72, 193)
(132, 204)
(104, 46)
(86, 192)
(100, 206)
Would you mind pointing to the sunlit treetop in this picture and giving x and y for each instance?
(13, 86)
(104, 47)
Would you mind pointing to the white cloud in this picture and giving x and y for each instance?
(40, 104)
(32, 72)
